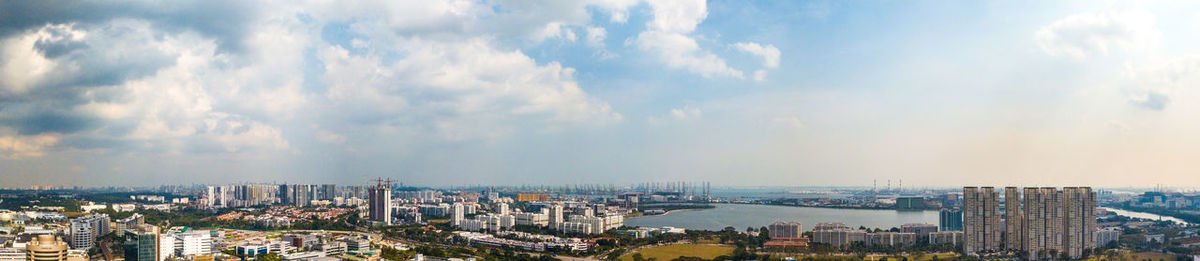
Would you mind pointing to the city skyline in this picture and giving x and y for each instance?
(442, 93)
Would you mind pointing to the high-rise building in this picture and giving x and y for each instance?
(381, 203)
(120, 225)
(85, 230)
(779, 230)
(981, 219)
(457, 214)
(502, 208)
(1079, 220)
(1012, 219)
(141, 244)
(46, 247)
(950, 219)
(556, 216)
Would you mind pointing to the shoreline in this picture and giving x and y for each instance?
(675, 211)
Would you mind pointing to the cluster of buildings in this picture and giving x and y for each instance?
(583, 220)
(1036, 222)
(840, 235)
(73, 240)
(538, 243)
(299, 195)
(319, 246)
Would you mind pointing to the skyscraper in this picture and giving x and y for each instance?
(1057, 223)
(1079, 220)
(381, 203)
(981, 219)
(1012, 218)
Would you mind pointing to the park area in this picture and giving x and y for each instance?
(679, 250)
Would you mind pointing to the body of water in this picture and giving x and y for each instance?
(1151, 216)
(741, 216)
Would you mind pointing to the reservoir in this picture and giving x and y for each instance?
(741, 216)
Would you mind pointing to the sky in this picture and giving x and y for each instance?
(452, 92)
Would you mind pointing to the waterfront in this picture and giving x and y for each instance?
(741, 216)
(1150, 216)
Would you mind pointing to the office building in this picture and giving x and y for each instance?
(981, 220)
(46, 248)
(781, 230)
(141, 244)
(193, 243)
(950, 219)
(380, 203)
(1012, 219)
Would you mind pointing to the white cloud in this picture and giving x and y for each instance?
(595, 36)
(1082, 35)
(667, 36)
(686, 112)
(461, 84)
(618, 10)
(18, 147)
(760, 75)
(768, 53)
(681, 51)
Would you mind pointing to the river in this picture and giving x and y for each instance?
(741, 216)
(1151, 216)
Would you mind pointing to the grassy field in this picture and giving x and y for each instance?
(1140, 256)
(674, 251)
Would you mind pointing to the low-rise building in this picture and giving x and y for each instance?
(946, 237)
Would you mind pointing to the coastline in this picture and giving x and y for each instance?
(715, 206)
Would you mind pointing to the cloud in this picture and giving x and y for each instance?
(1082, 35)
(768, 53)
(667, 36)
(595, 36)
(18, 147)
(685, 113)
(1151, 100)
(1155, 83)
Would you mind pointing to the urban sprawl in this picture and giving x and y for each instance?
(385, 220)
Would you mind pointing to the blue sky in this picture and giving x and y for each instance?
(600, 91)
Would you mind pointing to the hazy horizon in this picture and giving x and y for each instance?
(450, 92)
